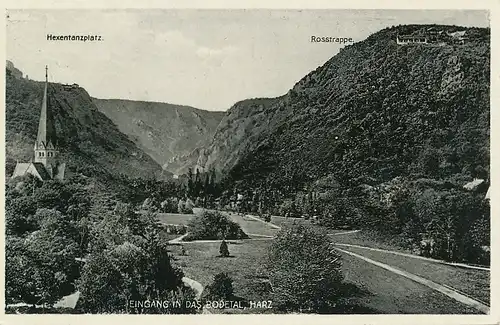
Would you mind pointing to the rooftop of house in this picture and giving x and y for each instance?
(473, 184)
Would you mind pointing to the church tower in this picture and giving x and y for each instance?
(46, 164)
(46, 149)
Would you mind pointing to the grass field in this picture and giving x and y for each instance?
(370, 239)
(283, 222)
(372, 289)
(381, 291)
(174, 218)
(166, 236)
(475, 283)
(245, 265)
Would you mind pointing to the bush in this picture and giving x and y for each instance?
(305, 272)
(149, 204)
(288, 209)
(221, 288)
(185, 207)
(175, 229)
(223, 250)
(169, 205)
(213, 225)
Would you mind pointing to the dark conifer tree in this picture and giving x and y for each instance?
(190, 184)
(223, 250)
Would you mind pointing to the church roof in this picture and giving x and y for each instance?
(36, 169)
(21, 169)
(46, 131)
(40, 168)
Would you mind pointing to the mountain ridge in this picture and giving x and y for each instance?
(373, 111)
(167, 132)
(90, 143)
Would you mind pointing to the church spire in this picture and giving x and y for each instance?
(46, 137)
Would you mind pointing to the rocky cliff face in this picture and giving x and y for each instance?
(13, 71)
(374, 111)
(169, 133)
(236, 133)
(90, 142)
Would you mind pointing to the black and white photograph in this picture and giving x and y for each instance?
(247, 161)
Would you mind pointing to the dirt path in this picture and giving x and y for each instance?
(195, 285)
(177, 240)
(344, 233)
(448, 291)
(272, 225)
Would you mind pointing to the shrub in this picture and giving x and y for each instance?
(188, 207)
(223, 250)
(305, 272)
(221, 288)
(213, 225)
(169, 205)
(185, 207)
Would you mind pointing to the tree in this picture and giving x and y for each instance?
(198, 185)
(213, 225)
(207, 190)
(477, 242)
(149, 204)
(305, 272)
(221, 288)
(41, 268)
(287, 208)
(180, 206)
(190, 184)
(185, 207)
(188, 206)
(223, 250)
(134, 266)
(169, 205)
(19, 213)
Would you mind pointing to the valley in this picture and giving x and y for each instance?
(363, 189)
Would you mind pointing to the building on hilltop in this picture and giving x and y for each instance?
(410, 39)
(46, 164)
(434, 36)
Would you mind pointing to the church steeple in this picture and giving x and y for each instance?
(46, 150)
(46, 137)
(47, 164)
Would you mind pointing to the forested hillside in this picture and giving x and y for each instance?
(89, 141)
(382, 137)
(374, 111)
(237, 133)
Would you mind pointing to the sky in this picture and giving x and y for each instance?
(208, 59)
